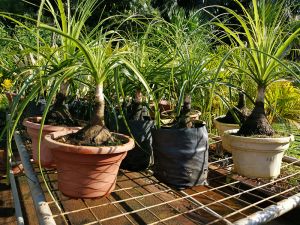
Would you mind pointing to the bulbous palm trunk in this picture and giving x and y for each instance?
(135, 111)
(96, 132)
(184, 120)
(257, 123)
(240, 110)
(59, 114)
(242, 101)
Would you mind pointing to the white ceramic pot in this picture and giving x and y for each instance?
(221, 128)
(257, 157)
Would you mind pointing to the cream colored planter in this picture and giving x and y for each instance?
(257, 157)
(222, 127)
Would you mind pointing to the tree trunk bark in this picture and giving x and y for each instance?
(98, 118)
(184, 120)
(242, 101)
(240, 111)
(257, 123)
(59, 114)
(96, 133)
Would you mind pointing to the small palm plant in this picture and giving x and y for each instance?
(100, 54)
(149, 55)
(263, 34)
(236, 81)
(190, 74)
(72, 23)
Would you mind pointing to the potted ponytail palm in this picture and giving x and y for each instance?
(257, 149)
(44, 61)
(55, 60)
(181, 148)
(30, 82)
(88, 160)
(134, 118)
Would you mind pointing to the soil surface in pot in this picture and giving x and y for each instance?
(275, 135)
(77, 123)
(74, 140)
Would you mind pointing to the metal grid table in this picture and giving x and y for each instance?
(139, 198)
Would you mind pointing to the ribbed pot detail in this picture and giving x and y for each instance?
(86, 171)
(257, 157)
(87, 176)
(221, 128)
(33, 125)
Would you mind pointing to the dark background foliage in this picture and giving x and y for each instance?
(165, 8)
(111, 7)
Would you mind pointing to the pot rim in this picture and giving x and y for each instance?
(87, 150)
(222, 116)
(36, 126)
(284, 139)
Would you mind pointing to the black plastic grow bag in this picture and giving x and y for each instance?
(141, 157)
(181, 156)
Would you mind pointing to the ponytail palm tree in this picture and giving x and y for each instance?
(73, 23)
(100, 53)
(149, 54)
(264, 35)
(192, 58)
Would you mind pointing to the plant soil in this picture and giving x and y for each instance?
(95, 135)
(275, 135)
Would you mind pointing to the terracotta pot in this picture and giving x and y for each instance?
(86, 171)
(221, 128)
(257, 157)
(32, 125)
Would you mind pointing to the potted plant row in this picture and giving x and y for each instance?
(167, 62)
(88, 159)
(256, 148)
(181, 147)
